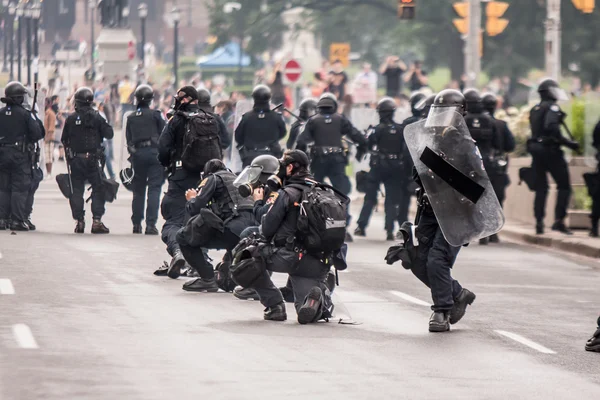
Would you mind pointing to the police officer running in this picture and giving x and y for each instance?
(388, 166)
(505, 143)
(82, 137)
(326, 130)
(308, 108)
(144, 127)
(545, 148)
(261, 129)
(170, 151)
(18, 129)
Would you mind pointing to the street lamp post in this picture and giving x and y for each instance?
(5, 4)
(92, 5)
(19, 13)
(176, 18)
(143, 12)
(27, 13)
(11, 18)
(36, 14)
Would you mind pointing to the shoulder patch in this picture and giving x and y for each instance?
(272, 197)
(555, 108)
(203, 183)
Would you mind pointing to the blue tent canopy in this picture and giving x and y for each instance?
(226, 56)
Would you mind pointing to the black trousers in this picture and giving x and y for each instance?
(552, 162)
(195, 256)
(499, 183)
(149, 176)
(35, 185)
(332, 166)
(15, 182)
(436, 258)
(173, 206)
(86, 170)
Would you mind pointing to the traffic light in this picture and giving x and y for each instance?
(494, 24)
(462, 23)
(585, 6)
(406, 9)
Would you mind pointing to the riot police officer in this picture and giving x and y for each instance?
(505, 143)
(483, 130)
(18, 129)
(82, 136)
(308, 108)
(545, 148)
(326, 130)
(261, 129)
(144, 127)
(388, 153)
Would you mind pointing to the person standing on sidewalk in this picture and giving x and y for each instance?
(49, 139)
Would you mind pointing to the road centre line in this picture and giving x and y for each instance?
(24, 337)
(410, 298)
(6, 287)
(526, 342)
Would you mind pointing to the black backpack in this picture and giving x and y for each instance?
(321, 227)
(201, 141)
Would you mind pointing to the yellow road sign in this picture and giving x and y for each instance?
(340, 51)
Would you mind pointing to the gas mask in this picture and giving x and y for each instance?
(275, 182)
(248, 180)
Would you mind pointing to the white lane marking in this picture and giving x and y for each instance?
(24, 337)
(526, 342)
(410, 298)
(6, 287)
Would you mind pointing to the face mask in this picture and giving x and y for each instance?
(275, 182)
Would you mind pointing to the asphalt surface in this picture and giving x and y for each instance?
(83, 317)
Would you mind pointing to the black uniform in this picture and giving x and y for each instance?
(388, 166)
(505, 143)
(144, 127)
(37, 175)
(279, 227)
(545, 119)
(218, 194)
(18, 128)
(294, 133)
(595, 216)
(258, 133)
(170, 148)
(82, 135)
(326, 130)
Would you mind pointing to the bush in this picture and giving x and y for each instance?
(577, 121)
(581, 199)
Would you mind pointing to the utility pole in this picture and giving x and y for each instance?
(473, 43)
(553, 31)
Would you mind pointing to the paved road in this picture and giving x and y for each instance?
(84, 318)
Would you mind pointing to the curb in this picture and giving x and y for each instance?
(569, 245)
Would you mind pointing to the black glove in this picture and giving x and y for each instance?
(360, 153)
(572, 144)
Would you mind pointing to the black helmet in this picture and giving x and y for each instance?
(15, 92)
(203, 97)
(307, 108)
(472, 95)
(327, 102)
(450, 98)
(416, 103)
(387, 104)
(261, 94)
(268, 164)
(84, 96)
(546, 85)
(126, 175)
(144, 94)
(297, 157)
(427, 103)
(490, 102)
(549, 90)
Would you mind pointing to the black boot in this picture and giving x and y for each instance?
(561, 227)
(19, 226)
(494, 238)
(484, 241)
(594, 343)
(80, 227)
(348, 238)
(276, 313)
(539, 228)
(151, 230)
(360, 232)
(98, 228)
(245, 294)
(465, 298)
(439, 322)
(390, 237)
(201, 285)
(310, 311)
(594, 230)
(3, 225)
(30, 225)
(137, 229)
(177, 262)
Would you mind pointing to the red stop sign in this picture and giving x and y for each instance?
(131, 51)
(292, 71)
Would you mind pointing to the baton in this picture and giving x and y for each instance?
(35, 95)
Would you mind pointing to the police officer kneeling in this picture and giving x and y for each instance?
(82, 136)
(144, 127)
(18, 128)
(218, 214)
(284, 253)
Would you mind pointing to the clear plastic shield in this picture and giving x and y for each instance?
(234, 161)
(122, 152)
(451, 170)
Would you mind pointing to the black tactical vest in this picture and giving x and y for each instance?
(481, 127)
(85, 134)
(143, 126)
(230, 202)
(261, 129)
(327, 130)
(537, 115)
(391, 140)
(12, 124)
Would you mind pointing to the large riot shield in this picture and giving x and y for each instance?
(234, 161)
(451, 170)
